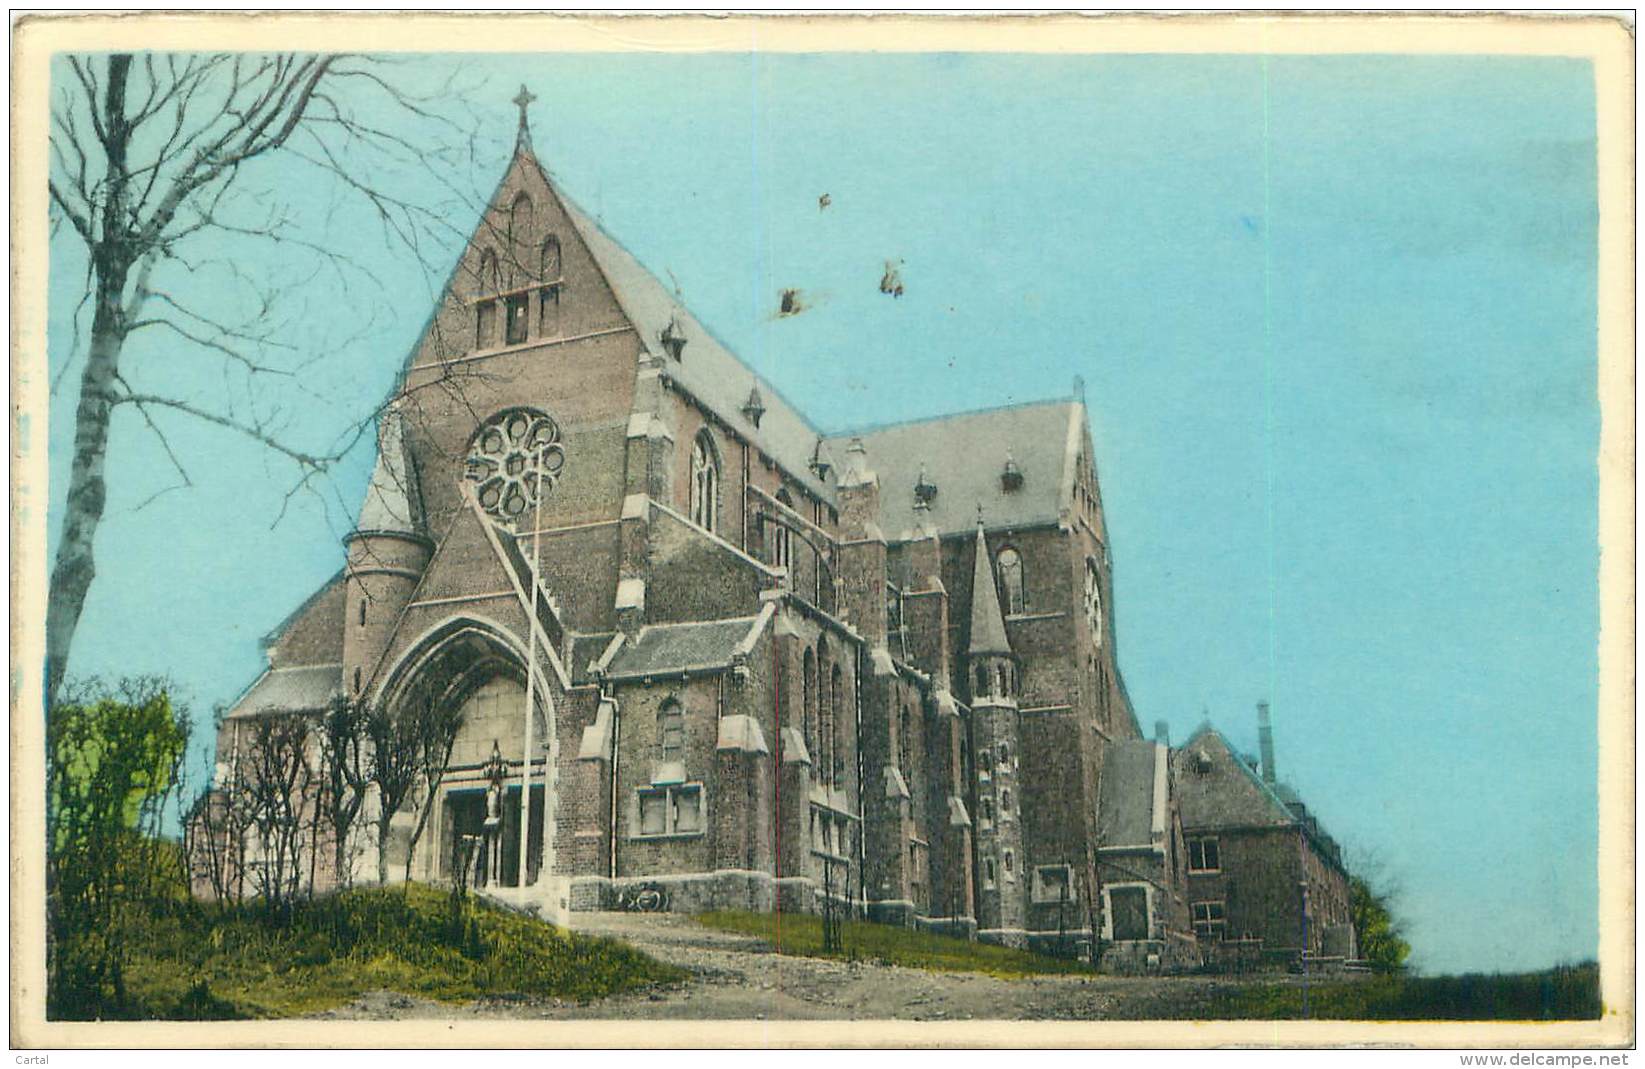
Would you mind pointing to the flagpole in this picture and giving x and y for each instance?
(531, 672)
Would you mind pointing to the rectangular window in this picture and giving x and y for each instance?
(671, 810)
(988, 874)
(1130, 909)
(1210, 923)
(688, 811)
(485, 324)
(518, 317)
(653, 812)
(1203, 856)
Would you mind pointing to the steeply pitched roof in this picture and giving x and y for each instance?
(1223, 791)
(663, 649)
(965, 455)
(987, 620)
(707, 370)
(291, 690)
(1125, 798)
(393, 500)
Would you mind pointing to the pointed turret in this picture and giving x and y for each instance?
(987, 618)
(387, 552)
(393, 503)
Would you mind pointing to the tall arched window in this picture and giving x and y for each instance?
(519, 236)
(980, 689)
(487, 279)
(825, 719)
(1093, 600)
(671, 731)
(808, 697)
(705, 482)
(836, 704)
(548, 264)
(905, 740)
(487, 283)
(548, 297)
(1009, 564)
(782, 546)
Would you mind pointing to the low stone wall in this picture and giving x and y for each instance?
(1016, 938)
(955, 927)
(696, 892)
(1134, 956)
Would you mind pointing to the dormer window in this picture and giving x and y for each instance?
(1011, 477)
(673, 338)
(754, 407)
(821, 462)
(925, 491)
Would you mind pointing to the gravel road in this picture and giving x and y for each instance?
(738, 977)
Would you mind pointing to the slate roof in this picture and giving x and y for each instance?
(987, 621)
(964, 455)
(393, 501)
(291, 690)
(1229, 793)
(707, 370)
(294, 615)
(662, 649)
(1125, 799)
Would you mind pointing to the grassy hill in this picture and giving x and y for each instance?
(202, 961)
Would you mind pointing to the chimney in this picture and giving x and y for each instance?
(1162, 732)
(1265, 738)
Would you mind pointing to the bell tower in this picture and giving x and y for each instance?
(992, 672)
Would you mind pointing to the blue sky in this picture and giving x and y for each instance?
(1336, 321)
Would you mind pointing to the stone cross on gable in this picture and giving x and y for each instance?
(522, 100)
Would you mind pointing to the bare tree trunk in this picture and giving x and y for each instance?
(75, 566)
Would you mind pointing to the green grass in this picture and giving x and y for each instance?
(206, 961)
(801, 934)
(1566, 992)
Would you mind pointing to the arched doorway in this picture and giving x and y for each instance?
(473, 828)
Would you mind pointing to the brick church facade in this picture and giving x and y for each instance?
(764, 664)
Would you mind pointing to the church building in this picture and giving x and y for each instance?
(708, 654)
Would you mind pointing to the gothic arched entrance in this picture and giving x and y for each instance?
(473, 830)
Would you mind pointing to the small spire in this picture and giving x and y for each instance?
(754, 407)
(522, 100)
(987, 620)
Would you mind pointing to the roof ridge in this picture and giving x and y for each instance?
(1250, 773)
(874, 428)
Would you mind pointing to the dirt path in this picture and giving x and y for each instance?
(738, 977)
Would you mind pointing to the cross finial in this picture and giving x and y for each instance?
(522, 100)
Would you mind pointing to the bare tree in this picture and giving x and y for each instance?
(345, 773)
(276, 786)
(157, 155)
(436, 720)
(396, 766)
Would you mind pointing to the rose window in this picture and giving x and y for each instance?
(514, 462)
